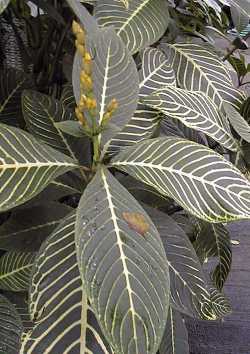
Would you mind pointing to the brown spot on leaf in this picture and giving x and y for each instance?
(136, 222)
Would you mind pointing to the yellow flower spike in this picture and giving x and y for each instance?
(80, 48)
(91, 103)
(80, 37)
(82, 102)
(80, 116)
(87, 63)
(75, 27)
(112, 106)
(106, 118)
(86, 82)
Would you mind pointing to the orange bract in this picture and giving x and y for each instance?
(136, 222)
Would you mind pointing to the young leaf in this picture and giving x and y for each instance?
(142, 24)
(198, 179)
(175, 339)
(15, 269)
(58, 302)
(198, 69)
(10, 329)
(26, 228)
(27, 166)
(123, 265)
(239, 124)
(155, 73)
(213, 240)
(71, 127)
(195, 110)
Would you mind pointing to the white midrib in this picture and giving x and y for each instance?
(104, 86)
(9, 274)
(133, 14)
(123, 257)
(169, 169)
(33, 164)
(84, 305)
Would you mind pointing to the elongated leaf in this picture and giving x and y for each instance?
(175, 339)
(15, 269)
(10, 329)
(12, 83)
(155, 73)
(239, 124)
(64, 322)
(213, 240)
(27, 166)
(142, 24)
(243, 6)
(3, 5)
(140, 127)
(189, 292)
(201, 181)
(67, 98)
(195, 110)
(123, 264)
(27, 228)
(41, 113)
(198, 69)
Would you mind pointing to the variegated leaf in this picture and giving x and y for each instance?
(213, 240)
(200, 180)
(26, 228)
(198, 69)
(175, 339)
(123, 264)
(239, 124)
(140, 127)
(15, 270)
(10, 329)
(155, 73)
(139, 25)
(27, 166)
(243, 6)
(41, 113)
(63, 320)
(189, 292)
(12, 83)
(195, 110)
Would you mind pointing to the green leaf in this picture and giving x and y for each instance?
(123, 265)
(238, 65)
(243, 6)
(27, 166)
(189, 291)
(198, 69)
(140, 127)
(139, 26)
(27, 228)
(175, 339)
(71, 127)
(67, 98)
(11, 328)
(114, 76)
(12, 83)
(239, 124)
(156, 72)
(198, 179)
(195, 110)
(213, 240)
(3, 5)
(63, 319)
(15, 269)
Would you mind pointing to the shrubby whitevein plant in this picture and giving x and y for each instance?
(132, 139)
